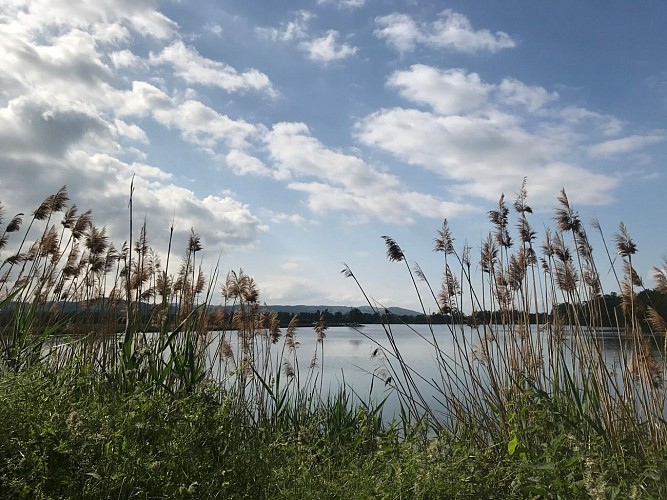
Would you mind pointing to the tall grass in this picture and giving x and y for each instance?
(533, 348)
(71, 299)
(528, 376)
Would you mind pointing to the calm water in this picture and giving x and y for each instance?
(352, 357)
(357, 357)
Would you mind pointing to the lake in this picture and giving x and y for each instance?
(356, 356)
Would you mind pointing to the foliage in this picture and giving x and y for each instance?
(114, 384)
(537, 355)
(67, 436)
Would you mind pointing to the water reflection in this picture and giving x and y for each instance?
(358, 357)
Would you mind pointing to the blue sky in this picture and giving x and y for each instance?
(292, 135)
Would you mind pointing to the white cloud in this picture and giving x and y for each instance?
(394, 206)
(400, 30)
(101, 182)
(139, 15)
(101, 163)
(335, 181)
(193, 68)
(65, 115)
(459, 143)
(197, 123)
(126, 59)
(289, 289)
(69, 65)
(343, 4)
(447, 92)
(283, 218)
(141, 100)
(110, 33)
(606, 124)
(323, 49)
(451, 31)
(455, 91)
(242, 163)
(296, 29)
(213, 28)
(629, 144)
(483, 138)
(454, 31)
(233, 222)
(130, 130)
(153, 23)
(204, 126)
(32, 128)
(327, 49)
(297, 154)
(290, 265)
(514, 92)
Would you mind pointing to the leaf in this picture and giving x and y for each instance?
(539, 491)
(512, 445)
(572, 461)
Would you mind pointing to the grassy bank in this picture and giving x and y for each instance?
(68, 436)
(180, 412)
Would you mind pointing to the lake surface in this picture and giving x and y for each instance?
(357, 357)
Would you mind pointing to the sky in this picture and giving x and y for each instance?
(292, 135)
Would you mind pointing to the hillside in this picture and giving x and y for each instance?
(398, 311)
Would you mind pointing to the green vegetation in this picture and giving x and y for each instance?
(169, 409)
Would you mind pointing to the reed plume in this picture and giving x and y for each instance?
(394, 252)
(500, 219)
(566, 218)
(444, 242)
(624, 243)
(660, 276)
(14, 224)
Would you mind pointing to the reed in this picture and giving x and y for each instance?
(75, 300)
(533, 345)
(527, 382)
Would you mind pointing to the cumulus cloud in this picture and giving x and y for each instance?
(399, 30)
(198, 123)
(77, 150)
(456, 91)
(33, 128)
(140, 16)
(343, 4)
(326, 49)
(295, 29)
(67, 66)
(66, 116)
(215, 29)
(204, 126)
(242, 163)
(126, 59)
(282, 289)
(297, 153)
(130, 131)
(451, 31)
(193, 68)
(614, 147)
(447, 92)
(334, 181)
(514, 92)
(479, 136)
(283, 217)
(323, 49)
(396, 206)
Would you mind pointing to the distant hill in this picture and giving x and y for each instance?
(399, 311)
(73, 306)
